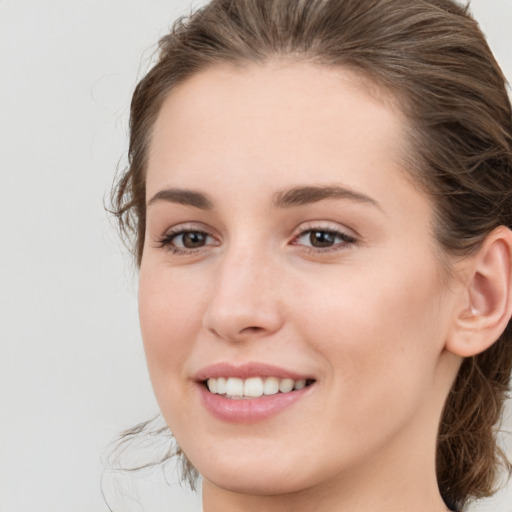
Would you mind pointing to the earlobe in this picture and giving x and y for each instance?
(488, 290)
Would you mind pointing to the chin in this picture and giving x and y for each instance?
(246, 474)
(256, 483)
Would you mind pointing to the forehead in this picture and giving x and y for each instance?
(277, 120)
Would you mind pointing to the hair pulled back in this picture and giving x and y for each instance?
(432, 57)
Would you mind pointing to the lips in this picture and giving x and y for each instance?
(250, 392)
(247, 370)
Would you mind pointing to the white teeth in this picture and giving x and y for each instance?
(253, 387)
(299, 384)
(271, 386)
(234, 386)
(221, 385)
(212, 385)
(286, 385)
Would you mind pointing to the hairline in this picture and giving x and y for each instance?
(411, 164)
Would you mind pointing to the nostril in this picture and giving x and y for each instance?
(252, 329)
(213, 331)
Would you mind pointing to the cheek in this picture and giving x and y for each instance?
(379, 334)
(169, 312)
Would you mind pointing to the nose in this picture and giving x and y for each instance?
(244, 302)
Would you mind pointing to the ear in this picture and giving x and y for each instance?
(487, 304)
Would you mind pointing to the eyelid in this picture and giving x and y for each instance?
(347, 236)
(325, 225)
(165, 241)
(187, 227)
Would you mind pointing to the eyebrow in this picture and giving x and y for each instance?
(298, 196)
(180, 196)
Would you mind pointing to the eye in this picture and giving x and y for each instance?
(318, 238)
(183, 241)
(190, 239)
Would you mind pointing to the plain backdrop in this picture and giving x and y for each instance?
(72, 370)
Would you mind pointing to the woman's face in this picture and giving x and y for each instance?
(285, 246)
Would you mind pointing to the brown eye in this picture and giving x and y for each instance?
(185, 241)
(193, 239)
(190, 239)
(322, 238)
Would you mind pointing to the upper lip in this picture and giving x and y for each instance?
(246, 370)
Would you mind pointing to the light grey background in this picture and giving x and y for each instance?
(72, 370)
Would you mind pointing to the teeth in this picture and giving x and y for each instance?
(271, 386)
(253, 387)
(299, 384)
(221, 385)
(212, 385)
(286, 385)
(234, 386)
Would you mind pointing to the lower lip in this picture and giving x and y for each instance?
(249, 410)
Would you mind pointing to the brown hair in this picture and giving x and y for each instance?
(432, 57)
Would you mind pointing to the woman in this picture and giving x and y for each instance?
(320, 193)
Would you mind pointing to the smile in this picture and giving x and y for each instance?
(253, 387)
(250, 392)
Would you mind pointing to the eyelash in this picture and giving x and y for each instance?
(346, 240)
(166, 242)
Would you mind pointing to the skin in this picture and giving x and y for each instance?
(369, 319)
